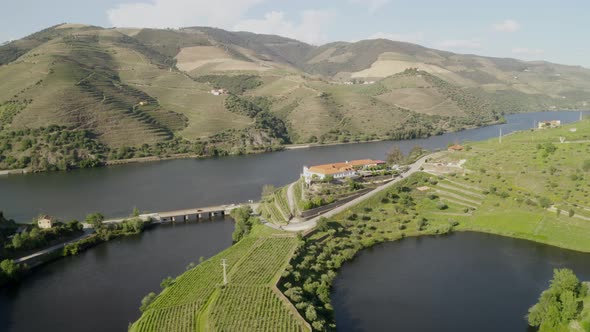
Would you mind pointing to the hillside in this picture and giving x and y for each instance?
(146, 92)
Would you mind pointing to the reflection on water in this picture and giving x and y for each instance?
(460, 282)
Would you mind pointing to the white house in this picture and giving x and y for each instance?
(45, 222)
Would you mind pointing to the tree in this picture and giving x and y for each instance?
(545, 202)
(571, 213)
(558, 305)
(311, 314)
(17, 241)
(565, 280)
(146, 301)
(395, 155)
(136, 212)
(243, 221)
(167, 282)
(9, 269)
(95, 219)
(323, 224)
(569, 306)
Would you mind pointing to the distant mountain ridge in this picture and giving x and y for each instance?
(140, 92)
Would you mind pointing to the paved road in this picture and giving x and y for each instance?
(52, 248)
(311, 223)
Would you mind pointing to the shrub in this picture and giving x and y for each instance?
(146, 301)
(545, 202)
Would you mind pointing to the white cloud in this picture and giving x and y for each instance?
(506, 26)
(179, 13)
(309, 29)
(372, 5)
(459, 44)
(412, 37)
(528, 52)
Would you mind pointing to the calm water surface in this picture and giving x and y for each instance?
(180, 184)
(461, 282)
(101, 289)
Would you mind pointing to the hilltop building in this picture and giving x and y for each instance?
(549, 124)
(45, 222)
(340, 170)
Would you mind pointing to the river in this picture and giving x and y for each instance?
(101, 289)
(190, 183)
(462, 282)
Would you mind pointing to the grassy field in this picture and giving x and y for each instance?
(584, 321)
(198, 300)
(526, 187)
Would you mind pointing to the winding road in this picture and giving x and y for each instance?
(311, 223)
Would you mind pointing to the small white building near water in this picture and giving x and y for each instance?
(45, 222)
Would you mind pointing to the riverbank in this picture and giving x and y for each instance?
(154, 158)
(489, 187)
(91, 238)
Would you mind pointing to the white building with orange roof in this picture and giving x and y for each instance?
(340, 170)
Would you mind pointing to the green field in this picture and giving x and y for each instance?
(198, 300)
(512, 181)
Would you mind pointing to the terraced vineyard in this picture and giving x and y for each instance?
(262, 263)
(249, 302)
(280, 198)
(276, 207)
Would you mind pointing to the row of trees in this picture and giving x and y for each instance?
(37, 238)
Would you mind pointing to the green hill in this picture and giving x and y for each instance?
(146, 92)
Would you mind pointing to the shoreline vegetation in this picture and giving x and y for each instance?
(564, 306)
(12, 270)
(104, 156)
(458, 191)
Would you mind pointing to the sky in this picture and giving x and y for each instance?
(553, 30)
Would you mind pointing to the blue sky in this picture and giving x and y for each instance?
(531, 30)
